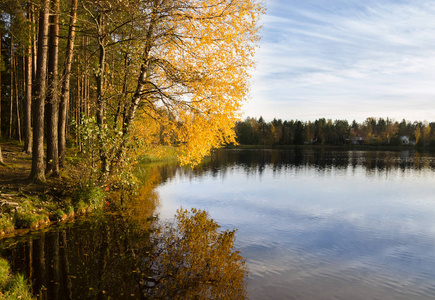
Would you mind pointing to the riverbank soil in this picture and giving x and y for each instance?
(16, 190)
(15, 171)
(16, 166)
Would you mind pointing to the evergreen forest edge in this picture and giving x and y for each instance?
(326, 132)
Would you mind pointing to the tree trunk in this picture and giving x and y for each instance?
(53, 94)
(1, 156)
(100, 76)
(17, 101)
(11, 110)
(131, 108)
(28, 88)
(101, 101)
(0, 86)
(64, 100)
(143, 76)
(34, 43)
(37, 174)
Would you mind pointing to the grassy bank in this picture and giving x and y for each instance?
(13, 286)
(161, 154)
(25, 205)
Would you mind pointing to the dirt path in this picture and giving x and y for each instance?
(16, 168)
(15, 172)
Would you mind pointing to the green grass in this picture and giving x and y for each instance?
(31, 214)
(4, 273)
(6, 224)
(59, 215)
(160, 154)
(28, 219)
(90, 196)
(13, 287)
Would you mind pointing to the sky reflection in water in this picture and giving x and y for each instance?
(321, 224)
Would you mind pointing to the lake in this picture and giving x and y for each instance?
(318, 224)
(311, 224)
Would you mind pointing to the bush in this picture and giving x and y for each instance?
(59, 215)
(69, 209)
(27, 219)
(17, 288)
(91, 196)
(4, 273)
(6, 224)
(13, 287)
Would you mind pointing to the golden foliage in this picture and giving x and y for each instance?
(196, 261)
(196, 56)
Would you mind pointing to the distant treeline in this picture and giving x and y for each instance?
(373, 131)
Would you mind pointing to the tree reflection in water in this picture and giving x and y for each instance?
(128, 254)
(196, 261)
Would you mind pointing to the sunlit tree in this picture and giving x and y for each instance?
(183, 66)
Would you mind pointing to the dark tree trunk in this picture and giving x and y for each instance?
(11, 110)
(64, 101)
(53, 93)
(17, 101)
(34, 43)
(1, 86)
(38, 167)
(28, 88)
(101, 101)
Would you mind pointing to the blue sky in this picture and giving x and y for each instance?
(343, 59)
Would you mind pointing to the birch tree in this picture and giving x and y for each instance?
(191, 60)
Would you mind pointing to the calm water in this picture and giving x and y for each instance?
(322, 224)
(311, 224)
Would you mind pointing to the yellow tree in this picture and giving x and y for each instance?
(169, 71)
(426, 132)
(391, 129)
(194, 64)
(417, 133)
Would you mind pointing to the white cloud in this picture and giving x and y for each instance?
(345, 61)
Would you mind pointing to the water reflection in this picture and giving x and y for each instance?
(320, 158)
(312, 224)
(128, 254)
(321, 224)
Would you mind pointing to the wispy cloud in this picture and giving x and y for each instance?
(346, 59)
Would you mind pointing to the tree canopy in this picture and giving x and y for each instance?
(373, 131)
(158, 71)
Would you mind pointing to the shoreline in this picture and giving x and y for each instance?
(26, 206)
(337, 147)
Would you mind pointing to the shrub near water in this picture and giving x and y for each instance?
(89, 197)
(6, 224)
(12, 287)
(29, 219)
(4, 273)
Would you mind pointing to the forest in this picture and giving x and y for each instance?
(373, 131)
(89, 88)
(109, 77)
